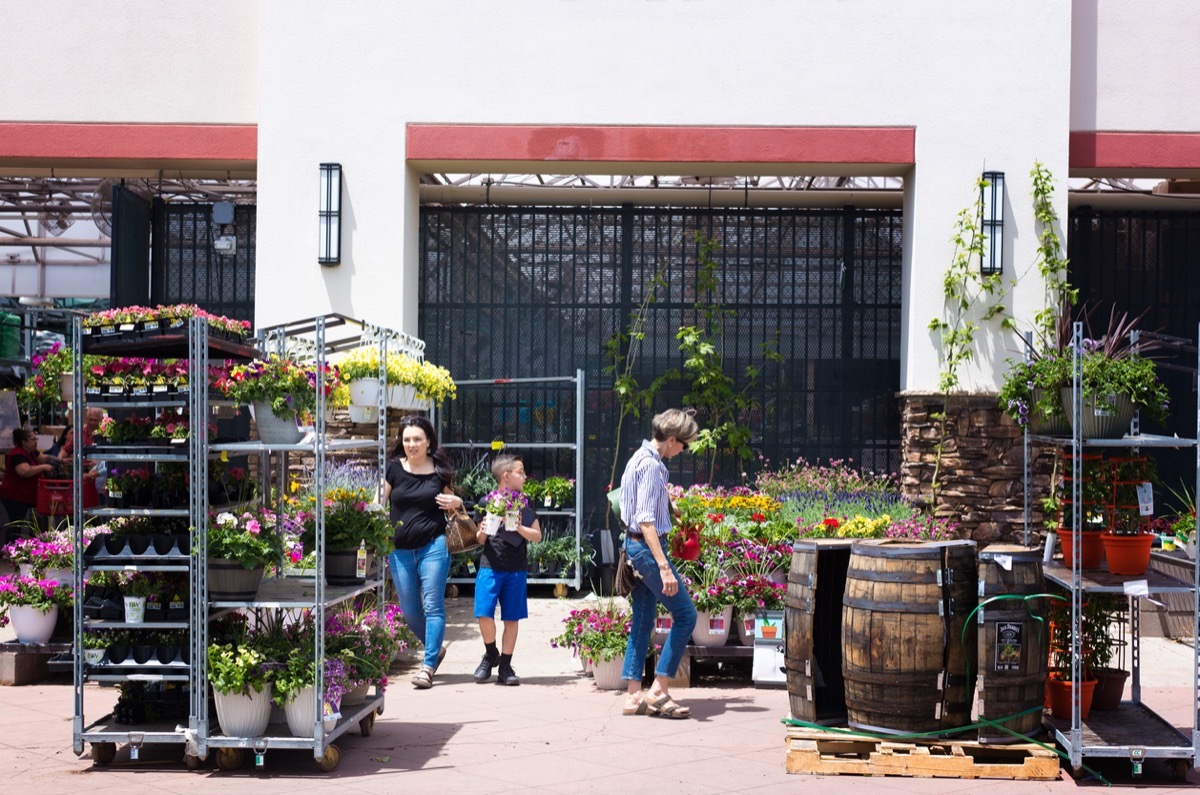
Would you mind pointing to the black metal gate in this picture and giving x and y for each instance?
(187, 269)
(1146, 261)
(510, 292)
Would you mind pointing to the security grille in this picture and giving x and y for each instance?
(509, 292)
(188, 270)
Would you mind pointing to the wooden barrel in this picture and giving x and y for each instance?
(1013, 643)
(904, 660)
(813, 629)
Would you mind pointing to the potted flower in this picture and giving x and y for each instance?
(1031, 393)
(95, 642)
(366, 638)
(1183, 525)
(241, 682)
(49, 556)
(754, 594)
(713, 595)
(503, 506)
(359, 370)
(240, 545)
(136, 588)
(280, 391)
(434, 383)
(32, 606)
(294, 681)
(354, 523)
(602, 639)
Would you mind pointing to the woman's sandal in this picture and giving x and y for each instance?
(423, 679)
(640, 709)
(664, 707)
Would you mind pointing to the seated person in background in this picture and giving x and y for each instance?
(23, 467)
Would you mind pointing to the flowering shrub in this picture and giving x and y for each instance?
(923, 528)
(755, 592)
(833, 477)
(17, 590)
(858, 526)
(237, 668)
(752, 557)
(250, 537)
(352, 515)
(366, 638)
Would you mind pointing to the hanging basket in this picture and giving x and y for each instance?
(363, 413)
(402, 396)
(228, 580)
(1107, 418)
(273, 429)
(364, 392)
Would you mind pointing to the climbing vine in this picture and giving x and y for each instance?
(970, 299)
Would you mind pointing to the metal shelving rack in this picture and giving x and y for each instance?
(103, 734)
(307, 338)
(308, 341)
(576, 447)
(1133, 731)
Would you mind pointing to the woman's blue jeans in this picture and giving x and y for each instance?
(420, 576)
(647, 593)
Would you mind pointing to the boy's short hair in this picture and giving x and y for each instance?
(505, 462)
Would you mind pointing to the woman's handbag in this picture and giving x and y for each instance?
(460, 532)
(623, 581)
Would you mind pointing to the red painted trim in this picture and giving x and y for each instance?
(601, 144)
(1130, 150)
(68, 142)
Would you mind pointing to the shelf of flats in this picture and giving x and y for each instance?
(172, 555)
(301, 590)
(577, 446)
(1133, 720)
(278, 593)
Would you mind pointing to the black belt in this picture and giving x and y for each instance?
(641, 536)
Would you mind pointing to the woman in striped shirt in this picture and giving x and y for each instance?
(646, 513)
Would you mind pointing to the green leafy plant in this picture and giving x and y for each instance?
(622, 351)
(475, 480)
(237, 668)
(970, 299)
(712, 391)
(352, 515)
(559, 490)
(287, 385)
(1097, 643)
(139, 584)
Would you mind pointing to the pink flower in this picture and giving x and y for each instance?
(253, 527)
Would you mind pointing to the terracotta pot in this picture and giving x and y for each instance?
(1128, 555)
(1058, 697)
(1092, 551)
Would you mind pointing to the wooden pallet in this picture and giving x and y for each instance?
(836, 754)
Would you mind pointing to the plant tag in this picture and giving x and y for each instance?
(1145, 495)
(175, 604)
(360, 561)
(663, 624)
(547, 501)
(258, 759)
(224, 456)
(471, 566)
(716, 625)
(497, 445)
(1137, 588)
(1003, 561)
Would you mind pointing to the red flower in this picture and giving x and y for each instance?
(759, 517)
(831, 523)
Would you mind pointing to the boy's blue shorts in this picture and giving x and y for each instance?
(506, 588)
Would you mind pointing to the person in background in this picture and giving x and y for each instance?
(646, 515)
(501, 577)
(63, 437)
(93, 473)
(418, 488)
(23, 467)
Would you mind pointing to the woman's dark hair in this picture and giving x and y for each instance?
(20, 435)
(441, 461)
(62, 437)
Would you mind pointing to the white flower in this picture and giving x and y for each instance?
(226, 518)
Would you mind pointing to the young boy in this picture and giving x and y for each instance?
(501, 577)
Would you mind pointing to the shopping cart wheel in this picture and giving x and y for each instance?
(192, 761)
(330, 761)
(103, 753)
(367, 724)
(230, 758)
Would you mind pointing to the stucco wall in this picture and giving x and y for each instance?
(985, 87)
(1135, 65)
(130, 61)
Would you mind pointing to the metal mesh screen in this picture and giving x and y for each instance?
(1145, 261)
(512, 292)
(187, 270)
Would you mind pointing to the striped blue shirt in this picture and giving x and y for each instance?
(644, 495)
